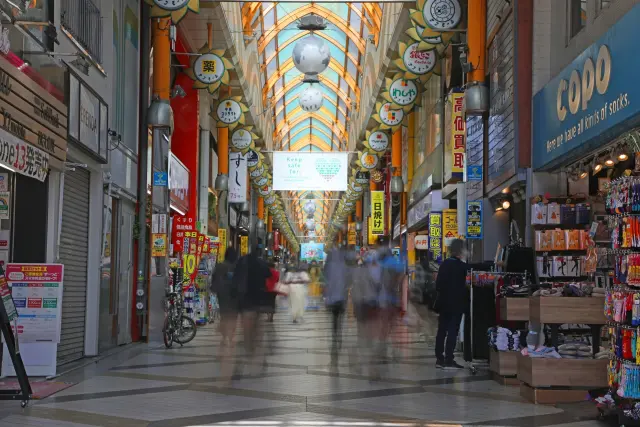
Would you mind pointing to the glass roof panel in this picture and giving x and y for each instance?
(292, 117)
(299, 126)
(286, 53)
(336, 54)
(337, 34)
(269, 20)
(331, 75)
(318, 124)
(329, 106)
(292, 105)
(339, 9)
(270, 49)
(288, 32)
(322, 136)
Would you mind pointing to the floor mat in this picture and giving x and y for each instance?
(40, 389)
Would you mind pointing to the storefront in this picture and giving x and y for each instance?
(81, 230)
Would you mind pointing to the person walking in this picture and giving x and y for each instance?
(297, 279)
(272, 293)
(222, 284)
(337, 276)
(451, 302)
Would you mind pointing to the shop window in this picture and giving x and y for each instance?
(577, 16)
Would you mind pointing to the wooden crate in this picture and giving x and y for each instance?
(580, 373)
(560, 310)
(514, 309)
(551, 396)
(503, 363)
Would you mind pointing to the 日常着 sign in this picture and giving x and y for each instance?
(299, 171)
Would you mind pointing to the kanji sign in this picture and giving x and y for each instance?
(435, 235)
(244, 245)
(23, 158)
(237, 178)
(183, 227)
(449, 225)
(377, 212)
(222, 245)
(456, 142)
(474, 220)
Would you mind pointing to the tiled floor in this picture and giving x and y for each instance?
(150, 386)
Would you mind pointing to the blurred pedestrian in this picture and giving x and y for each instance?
(337, 275)
(222, 284)
(364, 295)
(298, 279)
(272, 293)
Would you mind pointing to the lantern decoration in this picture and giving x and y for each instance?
(176, 9)
(311, 55)
(311, 99)
(209, 69)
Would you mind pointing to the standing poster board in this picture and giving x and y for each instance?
(37, 294)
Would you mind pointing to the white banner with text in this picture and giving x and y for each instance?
(296, 171)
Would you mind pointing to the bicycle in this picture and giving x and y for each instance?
(177, 326)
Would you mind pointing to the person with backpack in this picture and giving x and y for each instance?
(222, 284)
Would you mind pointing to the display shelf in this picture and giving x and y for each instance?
(561, 310)
(503, 363)
(514, 309)
(540, 372)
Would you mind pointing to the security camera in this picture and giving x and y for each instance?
(178, 92)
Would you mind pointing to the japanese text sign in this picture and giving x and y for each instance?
(435, 235)
(237, 178)
(377, 213)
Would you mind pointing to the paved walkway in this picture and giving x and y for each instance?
(150, 386)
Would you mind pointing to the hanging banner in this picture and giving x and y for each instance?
(435, 235)
(455, 134)
(37, 294)
(474, 220)
(182, 227)
(244, 245)
(222, 244)
(351, 234)
(449, 226)
(377, 213)
(370, 235)
(178, 185)
(297, 171)
(237, 178)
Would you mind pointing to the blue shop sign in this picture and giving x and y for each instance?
(474, 173)
(160, 179)
(593, 100)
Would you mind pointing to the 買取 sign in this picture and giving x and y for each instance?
(594, 99)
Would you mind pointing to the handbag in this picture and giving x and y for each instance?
(281, 289)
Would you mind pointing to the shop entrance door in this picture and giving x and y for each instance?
(108, 277)
(125, 265)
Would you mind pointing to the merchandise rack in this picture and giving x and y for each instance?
(471, 274)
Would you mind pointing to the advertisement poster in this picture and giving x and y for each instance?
(178, 185)
(4, 182)
(158, 244)
(5, 198)
(351, 235)
(299, 171)
(377, 213)
(37, 294)
(312, 252)
(244, 245)
(449, 225)
(222, 244)
(435, 236)
(7, 300)
(182, 226)
(474, 220)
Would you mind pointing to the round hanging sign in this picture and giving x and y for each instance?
(362, 177)
(369, 160)
(171, 4)
(419, 61)
(257, 171)
(229, 111)
(356, 187)
(378, 141)
(208, 68)
(377, 176)
(265, 191)
(252, 159)
(403, 92)
(389, 116)
(430, 40)
(442, 14)
(270, 200)
(241, 139)
(262, 181)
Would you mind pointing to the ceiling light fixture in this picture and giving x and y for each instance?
(596, 166)
(506, 204)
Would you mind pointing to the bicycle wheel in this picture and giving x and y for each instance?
(186, 331)
(167, 333)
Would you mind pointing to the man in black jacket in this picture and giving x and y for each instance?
(451, 303)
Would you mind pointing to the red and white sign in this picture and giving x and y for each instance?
(23, 158)
(183, 232)
(178, 185)
(422, 242)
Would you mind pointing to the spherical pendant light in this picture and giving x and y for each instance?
(311, 99)
(309, 208)
(311, 55)
(310, 224)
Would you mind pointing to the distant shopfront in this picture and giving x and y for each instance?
(592, 102)
(33, 130)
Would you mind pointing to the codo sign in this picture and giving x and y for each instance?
(578, 91)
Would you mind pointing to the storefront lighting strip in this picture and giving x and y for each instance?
(178, 210)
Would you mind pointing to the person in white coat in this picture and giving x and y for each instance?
(297, 279)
